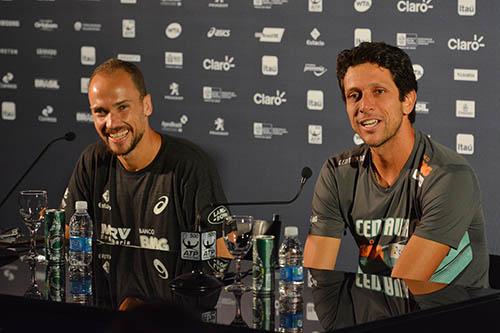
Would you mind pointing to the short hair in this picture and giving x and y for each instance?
(387, 56)
(112, 65)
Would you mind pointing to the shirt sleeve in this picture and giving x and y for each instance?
(449, 202)
(203, 188)
(326, 219)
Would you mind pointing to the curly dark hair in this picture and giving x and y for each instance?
(113, 64)
(390, 57)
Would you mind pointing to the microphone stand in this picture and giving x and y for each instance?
(197, 281)
(70, 136)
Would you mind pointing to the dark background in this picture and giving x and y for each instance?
(251, 168)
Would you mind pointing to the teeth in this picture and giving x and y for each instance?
(118, 135)
(369, 123)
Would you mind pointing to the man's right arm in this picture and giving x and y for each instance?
(321, 252)
(327, 225)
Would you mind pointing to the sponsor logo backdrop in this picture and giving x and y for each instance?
(251, 81)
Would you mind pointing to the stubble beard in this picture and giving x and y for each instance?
(135, 141)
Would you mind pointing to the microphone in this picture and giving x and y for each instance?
(70, 136)
(305, 175)
(198, 245)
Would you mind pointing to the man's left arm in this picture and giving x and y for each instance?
(449, 202)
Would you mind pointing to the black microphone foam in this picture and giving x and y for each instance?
(306, 173)
(70, 136)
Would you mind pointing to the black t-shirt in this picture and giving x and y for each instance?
(139, 216)
(436, 197)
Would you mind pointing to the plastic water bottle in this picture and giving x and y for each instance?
(290, 260)
(80, 254)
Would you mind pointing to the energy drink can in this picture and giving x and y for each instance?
(263, 265)
(54, 235)
(263, 312)
(56, 280)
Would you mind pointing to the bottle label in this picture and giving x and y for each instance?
(292, 273)
(80, 244)
(81, 286)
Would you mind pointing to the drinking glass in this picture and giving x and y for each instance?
(237, 233)
(32, 207)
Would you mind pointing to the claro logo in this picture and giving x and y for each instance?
(215, 65)
(263, 99)
(466, 45)
(414, 7)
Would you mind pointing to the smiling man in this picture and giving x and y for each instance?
(143, 189)
(412, 205)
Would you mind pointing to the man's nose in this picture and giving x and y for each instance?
(112, 120)
(366, 103)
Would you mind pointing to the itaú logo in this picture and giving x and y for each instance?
(263, 99)
(466, 45)
(415, 7)
(214, 65)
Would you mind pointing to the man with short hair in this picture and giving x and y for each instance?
(143, 189)
(412, 205)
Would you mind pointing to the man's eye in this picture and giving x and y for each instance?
(122, 107)
(379, 91)
(353, 96)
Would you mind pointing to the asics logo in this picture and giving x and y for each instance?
(162, 270)
(161, 205)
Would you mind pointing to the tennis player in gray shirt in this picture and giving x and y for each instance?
(412, 205)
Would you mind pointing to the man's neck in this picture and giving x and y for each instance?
(389, 159)
(144, 153)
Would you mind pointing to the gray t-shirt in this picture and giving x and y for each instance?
(436, 197)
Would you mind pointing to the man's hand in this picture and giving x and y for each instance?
(130, 303)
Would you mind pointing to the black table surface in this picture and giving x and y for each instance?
(331, 301)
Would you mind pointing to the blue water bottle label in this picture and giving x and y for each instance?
(81, 286)
(80, 244)
(291, 320)
(292, 273)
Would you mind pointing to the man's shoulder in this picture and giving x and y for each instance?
(441, 157)
(95, 152)
(185, 154)
(183, 150)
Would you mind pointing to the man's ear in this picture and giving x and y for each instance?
(147, 105)
(409, 102)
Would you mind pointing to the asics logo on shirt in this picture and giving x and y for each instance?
(160, 205)
(162, 270)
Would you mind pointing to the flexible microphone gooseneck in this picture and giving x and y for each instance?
(305, 175)
(70, 136)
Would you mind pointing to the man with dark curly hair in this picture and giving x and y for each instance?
(412, 205)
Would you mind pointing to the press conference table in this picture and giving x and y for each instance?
(346, 302)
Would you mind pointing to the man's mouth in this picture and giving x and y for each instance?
(117, 136)
(369, 123)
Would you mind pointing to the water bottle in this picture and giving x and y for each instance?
(290, 259)
(80, 254)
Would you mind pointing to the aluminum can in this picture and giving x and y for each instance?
(263, 265)
(54, 235)
(56, 280)
(263, 312)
